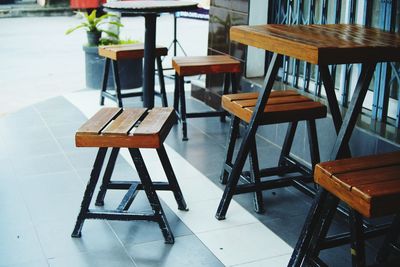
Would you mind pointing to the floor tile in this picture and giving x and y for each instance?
(55, 238)
(279, 261)
(41, 165)
(19, 244)
(99, 259)
(232, 246)
(187, 251)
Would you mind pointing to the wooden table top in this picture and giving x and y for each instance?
(143, 7)
(322, 44)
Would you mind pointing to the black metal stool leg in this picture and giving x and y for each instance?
(87, 197)
(390, 238)
(107, 176)
(181, 86)
(255, 178)
(105, 80)
(357, 239)
(151, 195)
(315, 227)
(230, 147)
(225, 91)
(313, 141)
(117, 84)
(176, 94)
(233, 83)
(169, 172)
(160, 72)
(287, 144)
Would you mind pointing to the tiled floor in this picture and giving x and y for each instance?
(43, 174)
(43, 177)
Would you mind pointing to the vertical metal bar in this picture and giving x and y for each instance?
(384, 90)
(313, 143)
(163, 93)
(117, 83)
(230, 147)
(258, 200)
(181, 86)
(149, 59)
(287, 143)
(176, 93)
(105, 80)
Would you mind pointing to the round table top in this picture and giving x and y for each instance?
(143, 7)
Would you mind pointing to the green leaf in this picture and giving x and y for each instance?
(112, 34)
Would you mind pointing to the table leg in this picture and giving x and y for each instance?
(353, 111)
(149, 59)
(248, 137)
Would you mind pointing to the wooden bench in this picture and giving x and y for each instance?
(370, 186)
(114, 53)
(282, 107)
(189, 66)
(132, 128)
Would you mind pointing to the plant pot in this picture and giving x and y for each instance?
(93, 38)
(130, 71)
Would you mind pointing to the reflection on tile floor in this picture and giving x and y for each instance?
(43, 177)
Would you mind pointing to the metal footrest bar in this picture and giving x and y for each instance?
(124, 185)
(120, 216)
(128, 198)
(206, 114)
(265, 185)
(298, 165)
(344, 238)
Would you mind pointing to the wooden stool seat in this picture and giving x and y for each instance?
(129, 51)
(370, 185)
(131, 128)
(282, 106)
(188, 66)
(115, 53)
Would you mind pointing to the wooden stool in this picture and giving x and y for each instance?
(189, 66)
(370, 186)
(282, 107)
(133, 129)
(132, 51)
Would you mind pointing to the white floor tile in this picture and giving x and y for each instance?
(244, 244)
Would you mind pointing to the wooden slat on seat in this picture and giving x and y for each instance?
(370, 185)
(282, 106)
(154, 121)
(124, 122)
(186, 66)
(129, 51)
(99, 121)
(114, 127)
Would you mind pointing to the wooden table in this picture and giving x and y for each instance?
(322, 45)
(150, 10)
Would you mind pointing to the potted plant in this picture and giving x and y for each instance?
(130, 70)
